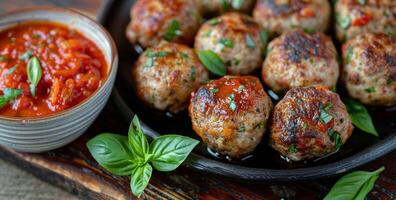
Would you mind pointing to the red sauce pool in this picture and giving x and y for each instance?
(72, 66)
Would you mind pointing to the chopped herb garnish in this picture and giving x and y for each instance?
(293, 148)
(348, 55)
(309, 30)
(214, 90)
(335, 137)
(237, 4)
(151, 55)
(343, 22)
(370, 89)
(12, 70)
(227, 42)
(236, 61)
(325, 117)
(3, 58)
(226, 6)
(389, 81)
(193, 73)
(249, 41)
(8, 95)
(184, 55)
(214, 21)
(172, 31)
(212, 62)
(231, 101)
(207, 33)
(34, 73)
(362, 2)
(305, 126)
(26, 55)
(241, 88)
(264, 37)
(242, 128)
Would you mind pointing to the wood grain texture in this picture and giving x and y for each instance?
(73, 169)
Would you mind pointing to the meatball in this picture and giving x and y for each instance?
(369, 71)
(230, 114)
(359, 17)
(172, 20)
(165, 76)
(236, 38)
(309, 122)
(216, 7)
(299, 59)
(281, 16)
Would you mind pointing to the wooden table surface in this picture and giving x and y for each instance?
(73, 169)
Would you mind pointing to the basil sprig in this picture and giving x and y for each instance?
(212, 62)
(34, 73)
(172, 31)
(132, 155)
(354, 186)
(360, 116)
(9, 94)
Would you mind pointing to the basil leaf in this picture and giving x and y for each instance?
(343, 22)
(12, 70)
(26, 55)
(9, 94)
(172, 31)
(348, 55)
(140, 178)
(360, 116)
(34, 74)
(264, 35)
(136, 139)
(212, 62)
(111, 151)
(227, 42)
(354, 186)
(169, 151)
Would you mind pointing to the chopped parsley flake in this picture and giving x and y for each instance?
(214, 21)
(242, 128)
(214, 90)
(172, 31)
(3, 58)
(325, 117)
(227, 42)
(249, 41)
(231, 100)
(370, 90)
(151, 55)
(348, 55)
(193, 73)
(12, 70)
(293, 148)
(26, 55)
(335, 137)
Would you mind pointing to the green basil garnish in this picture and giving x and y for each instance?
(9, 94)
(360, 116)
(370, 90)
(335, 137)
(34, 73)
(214, 21)
(26, 55)
(12, 70)
(3, 58)
(354, 186)
(293, 148)
(249, 41)
(172, 31)
(231, 101)
(132, 155)
(226, 42)
(343, 22)
(212, 62)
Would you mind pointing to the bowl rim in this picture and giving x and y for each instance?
(112, 63)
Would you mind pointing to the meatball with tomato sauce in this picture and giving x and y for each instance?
(369, 71)
(156, 20)
(298, 59)
(236, 38)
(230, 114)
(216, 7)
(309, 122)
(164, 76)
(355, 17)
(279, 16)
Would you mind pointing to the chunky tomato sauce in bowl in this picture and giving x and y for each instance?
(57, 69)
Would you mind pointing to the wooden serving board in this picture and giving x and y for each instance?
(73, 169)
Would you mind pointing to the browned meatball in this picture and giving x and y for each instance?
(165, 76)
(309, 122)
(230, 114)
(370, 69)
(216, 7)
(171, 20)
(299, 59)
(279, 16)
(236, 38)
(355, 17)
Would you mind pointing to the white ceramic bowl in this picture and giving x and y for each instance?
(38, 134)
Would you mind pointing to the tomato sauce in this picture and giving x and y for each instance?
(72, 66)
